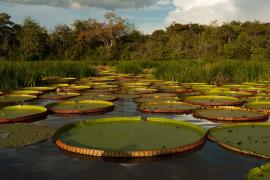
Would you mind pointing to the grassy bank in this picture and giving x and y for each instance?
(224, 71)
(20, 74)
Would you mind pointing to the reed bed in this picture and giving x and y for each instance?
(20, 73)
(222, 71)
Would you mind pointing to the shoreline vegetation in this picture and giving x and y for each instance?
(212, 72)
(234, 52)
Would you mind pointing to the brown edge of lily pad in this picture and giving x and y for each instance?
(262, 118)
(236, 103)
(64, 111)
(169, 111)
(57, 97)
(135, 154)
(25, 119)
(234, 149)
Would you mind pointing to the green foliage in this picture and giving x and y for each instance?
(117, 39)
(21, 74)
(223, 71)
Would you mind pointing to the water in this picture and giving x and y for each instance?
(45, 161)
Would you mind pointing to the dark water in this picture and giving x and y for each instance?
(45, 161)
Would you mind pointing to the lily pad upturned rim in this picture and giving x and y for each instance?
(28, 96)
(23, 119)
(30, 92)
(231, 147)
(109, 106)
(249, 106)
(168, 111)
(261, 118)
(45, 136)
(236, 101)
(130, 154)
(258, 171)
(69, 95)
(110, 97)
(39, 88)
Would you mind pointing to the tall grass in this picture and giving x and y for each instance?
(21, 74)
(223, 71)
(134, 67)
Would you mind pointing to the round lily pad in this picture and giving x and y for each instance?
(80, 107)
(234, 86)
(167, 107)
(106, 86)
(95, 96)
(135, 84)
(259, 97)
(57, 96)
(259, 173)
(158, 95)
(14, 135)
(263, 106)
(43, 88)
(237, 94)
(130, 137)
(214, 100)
(230, 114)
(252, 89)
(58, 85)
(248, 138)
(155, 99)
(75, 88)
(22, 113)
(15, 98)
(171, 89)
(26, 92)
(142, 91)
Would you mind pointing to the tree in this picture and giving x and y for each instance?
(6, 34)
(33, 41)
(61, 40)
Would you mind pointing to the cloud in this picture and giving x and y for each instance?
(205, 11)
(106, 4)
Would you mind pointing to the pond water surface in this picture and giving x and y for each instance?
(45, 161)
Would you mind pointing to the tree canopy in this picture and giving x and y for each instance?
(118, 39)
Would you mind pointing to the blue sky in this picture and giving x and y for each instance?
(148, 15)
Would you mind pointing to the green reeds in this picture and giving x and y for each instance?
(222, 71)
(20, 74)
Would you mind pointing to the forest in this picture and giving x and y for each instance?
(118, 39)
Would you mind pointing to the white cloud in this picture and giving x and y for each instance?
(107, 4)
(75, 5)
(205, 11)
(201, 11)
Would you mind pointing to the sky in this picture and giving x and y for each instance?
(147, 15)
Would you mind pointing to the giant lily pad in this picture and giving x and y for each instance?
(259, 173)
(130, 137)
(230, 114)
(142, 91)
(263, 106)
(155, 99)
(57, 96)
(95, 96)
(26, 92)
(259, 97)
(75, 88)
(15, 98)
(248, 138)
(40, 88)
(21, 113)
(237, 94)
(214, 100)
(167, 107)
(80, 107)
(14, 135)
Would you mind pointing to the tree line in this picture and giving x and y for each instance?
(118, 39)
